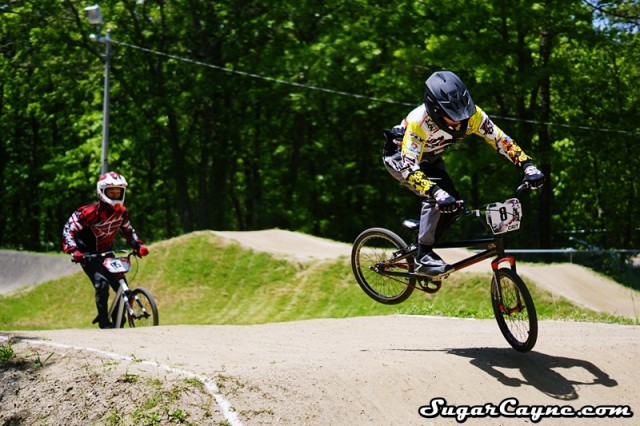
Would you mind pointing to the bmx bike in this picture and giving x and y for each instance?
(133, 306)
(383, 265)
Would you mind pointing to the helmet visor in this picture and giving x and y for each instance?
(115, 193)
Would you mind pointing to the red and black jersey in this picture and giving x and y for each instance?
(93, 229)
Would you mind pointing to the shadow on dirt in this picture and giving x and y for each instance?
(538, 370)
(533, 369)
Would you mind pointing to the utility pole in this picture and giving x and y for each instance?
(94, 16)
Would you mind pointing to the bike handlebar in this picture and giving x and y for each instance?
(523, 186)
(462, 204)
(87, 256)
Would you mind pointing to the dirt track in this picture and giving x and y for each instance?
(368, 370)
(381, 370)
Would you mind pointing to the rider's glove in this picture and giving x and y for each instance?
(532, 176)
(392, 140)
(445, 202)
(78, 256)
(398, 133)
(143, 250)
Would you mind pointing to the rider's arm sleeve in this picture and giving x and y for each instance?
(69, 231)
(412, 149)
(419, 181)
(130, 233)
(481, 125)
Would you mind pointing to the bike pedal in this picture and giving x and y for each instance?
(440, 277)
(430, 286)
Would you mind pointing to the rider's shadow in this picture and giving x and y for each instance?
(537, 369)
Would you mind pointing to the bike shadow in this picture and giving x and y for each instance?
(537, 369)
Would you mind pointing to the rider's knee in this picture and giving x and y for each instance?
(100, 283)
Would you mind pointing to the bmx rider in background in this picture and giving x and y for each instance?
(92, 229)
(413, 155)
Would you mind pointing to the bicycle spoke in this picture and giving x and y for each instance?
(514, 310)
(144, 311)
(376, 254)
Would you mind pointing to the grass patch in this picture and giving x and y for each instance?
(6, 354)
(202, 279)
(468, 296)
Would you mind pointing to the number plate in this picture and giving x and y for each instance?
(504, 217)
(116, 265)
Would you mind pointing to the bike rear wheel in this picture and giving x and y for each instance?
(514, 310)
(145, 310)
(371, 256)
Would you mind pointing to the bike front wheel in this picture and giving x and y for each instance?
(375, 252)
(514, 310)
(145, 310)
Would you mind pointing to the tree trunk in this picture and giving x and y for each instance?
(545, 148)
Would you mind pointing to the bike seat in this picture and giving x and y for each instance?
(411, 224)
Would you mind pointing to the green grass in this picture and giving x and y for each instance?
(202, 279)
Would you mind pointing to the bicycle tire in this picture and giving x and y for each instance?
(514, 309)
(144, 308)
(374, 247)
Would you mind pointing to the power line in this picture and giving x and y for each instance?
(568, 126)
(262, 77)
(353, 95)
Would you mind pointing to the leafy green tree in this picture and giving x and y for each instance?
(249, 115)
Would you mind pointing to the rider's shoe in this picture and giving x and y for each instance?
(103, 321)
(431, 265)
(106, 325)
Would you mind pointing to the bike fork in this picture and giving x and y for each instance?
(122, 302)
(495, 263)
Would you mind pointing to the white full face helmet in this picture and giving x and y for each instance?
(111, 180)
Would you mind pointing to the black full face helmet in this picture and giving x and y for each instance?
(445, 95)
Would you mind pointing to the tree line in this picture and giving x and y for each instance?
(242, 115)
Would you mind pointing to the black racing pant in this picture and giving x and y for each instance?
(437, 172)
(101, 279)
(433, 225)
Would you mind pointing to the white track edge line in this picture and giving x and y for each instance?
(225, 406)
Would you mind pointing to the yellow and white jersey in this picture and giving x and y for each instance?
(425, 141)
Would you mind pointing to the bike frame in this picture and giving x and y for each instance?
(380, 257)
(124, 296)
(494, 248)
(120, 301)
(121, 298)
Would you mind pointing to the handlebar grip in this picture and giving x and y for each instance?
(461, 204)
(522, 187)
